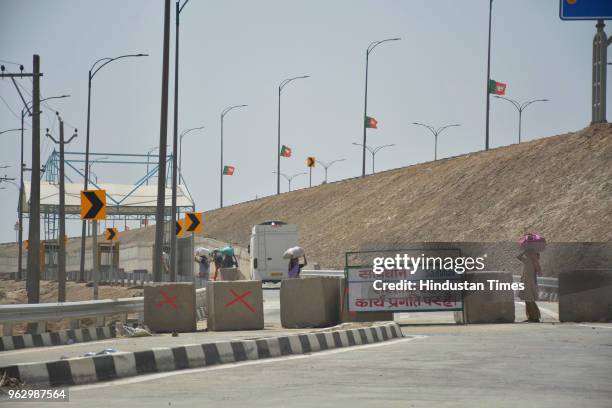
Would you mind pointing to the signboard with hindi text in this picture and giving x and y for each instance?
(400, 290)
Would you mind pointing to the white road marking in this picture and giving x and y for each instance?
(150, 377)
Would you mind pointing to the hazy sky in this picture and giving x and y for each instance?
(237, 52)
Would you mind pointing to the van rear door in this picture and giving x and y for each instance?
(276, 245)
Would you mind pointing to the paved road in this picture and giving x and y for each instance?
(272, 328)
(520, 365)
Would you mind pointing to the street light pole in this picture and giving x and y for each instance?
(160, 210)
(488, 76)
(520, 107)
(327, 165)
(436, 133)
(373, 151)
(92, 72)
(365, 105)
(278, 148)
(290, 178)
(183, 134)
(223, 113)
(173, 260)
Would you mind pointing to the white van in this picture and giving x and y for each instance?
(269, 241)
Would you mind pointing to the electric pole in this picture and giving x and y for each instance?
(61, 259)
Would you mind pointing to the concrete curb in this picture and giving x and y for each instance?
(57, 338)
(83, 370)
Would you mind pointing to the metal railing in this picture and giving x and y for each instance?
(42, 313)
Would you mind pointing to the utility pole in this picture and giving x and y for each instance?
(61, 259)
(173, 260)
(163, 138)
(33, 279)
(33, 265)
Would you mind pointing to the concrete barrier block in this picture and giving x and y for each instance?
(585, 295)
(229, 274)
(487, 306)
(170, 307)
(345, 316)
(234, 305)
(310, 302)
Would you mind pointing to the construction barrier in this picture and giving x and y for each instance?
(309, 302)
(346, 316)
(235, 305)
(170, 307)
(229, 274)
(585, 295)
(487, 306)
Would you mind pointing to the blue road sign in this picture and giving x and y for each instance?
(585, 9)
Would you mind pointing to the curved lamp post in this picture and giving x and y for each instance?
(520, 107)
(436, 133)
(327, 165)
(373, 151)
(290, 178)
(223, 113)
(183, 134)
(278, 148)
(365, 109)
(97, 66)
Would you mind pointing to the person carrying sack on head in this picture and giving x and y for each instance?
(295, 267)
(532, 244)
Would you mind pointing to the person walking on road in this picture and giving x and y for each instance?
(295, 267)
(203, 267)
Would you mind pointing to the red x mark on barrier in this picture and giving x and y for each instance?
(240, 298)
(169, 300)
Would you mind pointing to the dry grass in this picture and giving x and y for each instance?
(559, 186)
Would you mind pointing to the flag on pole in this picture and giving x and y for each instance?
(285, 151)
(228, 170)
(371, 123)
(497, 88)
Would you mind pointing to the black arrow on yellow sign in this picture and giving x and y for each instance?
(93, 204)
(111, 234)
(193, 222)
(179, 228)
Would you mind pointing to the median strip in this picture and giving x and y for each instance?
(83, 370)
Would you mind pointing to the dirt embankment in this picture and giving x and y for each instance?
(559, 186)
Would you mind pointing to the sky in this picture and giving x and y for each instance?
(238, 51)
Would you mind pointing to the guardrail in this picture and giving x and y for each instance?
(322, 272)
(41, 313)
